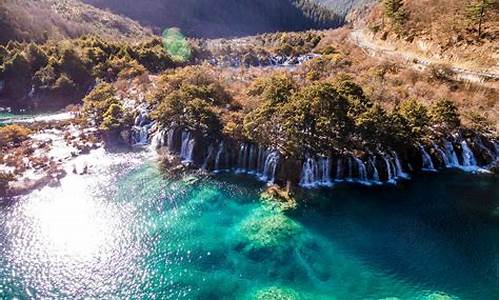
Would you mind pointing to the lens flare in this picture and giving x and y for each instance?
(176, 44)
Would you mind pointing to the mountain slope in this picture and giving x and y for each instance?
(55, 19)
(223, 18)
(342, 7)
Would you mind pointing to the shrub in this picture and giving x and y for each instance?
(444, 113)
(13, 134)
(5, 179)
(98, 102)
(415, 117)
(113, 118)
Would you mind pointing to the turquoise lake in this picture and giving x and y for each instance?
(125, 232)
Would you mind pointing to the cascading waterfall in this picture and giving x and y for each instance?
(315, 173)
(451, 155)
(187, 147)
(157, 139)
(218, 156)
(441, 153)
(240, 168)
(251, 160)
(391, 177)
(349, 169)
(493, 156)
(340, 171)
(140, 134)
(325, 170)
(362, 174)
(399, 170)
(375, 175)
(469, 161)
(270, 164)
(308, 176)
(207, 158)
(427, 164)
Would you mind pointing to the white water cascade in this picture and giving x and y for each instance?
(340, 171)
(362, 174)
(220, 151)
(315, 172)
(375, 175)
(157, 139)
(270, 165)
(469, 161)
(399, 170)
(451, 155)
(391, 176)
(427, 164)
(187, 147)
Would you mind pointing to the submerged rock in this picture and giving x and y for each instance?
(275, 293)
(267, 234)
(279, 198)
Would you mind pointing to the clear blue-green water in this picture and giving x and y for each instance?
(124, 232)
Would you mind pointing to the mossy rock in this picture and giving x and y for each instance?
(279, 198)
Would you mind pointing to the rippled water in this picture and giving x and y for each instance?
(125, 232)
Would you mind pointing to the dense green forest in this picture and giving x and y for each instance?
(55, 74)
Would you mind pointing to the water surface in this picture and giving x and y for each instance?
(124, 231)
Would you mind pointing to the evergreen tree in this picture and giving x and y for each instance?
(394, 9)
(477, 12)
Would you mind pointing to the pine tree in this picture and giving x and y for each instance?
(477, 12)
(394, 10)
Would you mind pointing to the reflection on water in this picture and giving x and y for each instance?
(125, 232)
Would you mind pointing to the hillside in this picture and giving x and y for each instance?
(56, 19)
(459, 33)
(343, 7)
(223, 18)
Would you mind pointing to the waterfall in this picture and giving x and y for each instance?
(490, 153)
(349, 169)
(375, 175)
(252, 164)
(187, 147)
(362, 174)
(308, 176)
(469, 161)
(170, 140)
(441, 153)
(451, 155)
(325, 170)
(390, 174)
(140, 135)
(207, 158)
(217, 157)
(339, 174)
(315, 173)
(240, 167)
(157, 139)
(270, 164)
(427, 164)
(399, 170)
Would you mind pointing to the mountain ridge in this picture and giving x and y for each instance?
(222, 18)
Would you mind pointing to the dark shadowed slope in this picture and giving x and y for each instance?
(223, 18)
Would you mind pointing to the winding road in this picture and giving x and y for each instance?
(359, 38)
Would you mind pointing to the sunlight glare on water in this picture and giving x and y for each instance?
(125, 232)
